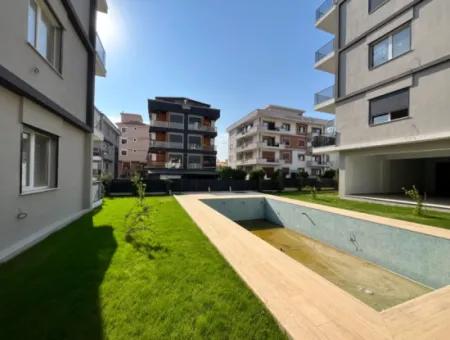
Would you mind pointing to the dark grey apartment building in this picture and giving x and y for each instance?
(182, 133)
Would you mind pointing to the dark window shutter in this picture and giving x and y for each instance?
(391, 102)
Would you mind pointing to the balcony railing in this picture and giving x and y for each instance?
(269, 145)
(317, 164)
(202, 147)
(166, 145)
(324, 95)
(167, 124)
(324, 8)
(200, 127)
(325, 51)
(268, 161)
(165, 165)
(325, 140)
(100, 50)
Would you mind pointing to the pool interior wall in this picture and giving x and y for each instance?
(420, 257)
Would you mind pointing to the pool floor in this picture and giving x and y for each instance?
(372, 284)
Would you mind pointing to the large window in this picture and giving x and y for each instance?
(390, 47)
(389, 107)
(44, 32)
(38, 160)
(195, 142)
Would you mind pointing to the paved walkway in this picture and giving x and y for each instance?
(305, 304)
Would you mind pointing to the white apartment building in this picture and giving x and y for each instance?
(277, 137)
(391, 59)
(48, 63)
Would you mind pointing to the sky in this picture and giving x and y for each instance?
(237, 55)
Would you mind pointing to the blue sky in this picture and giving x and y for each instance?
(237, 55)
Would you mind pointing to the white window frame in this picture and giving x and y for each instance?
(43, 10)
(31, 188)
(195, 135)
(176, 114)
(175, 154)
(175, 134)
(195, 155)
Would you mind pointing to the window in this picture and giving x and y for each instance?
(174, 161)
(124, 129)
(45, 32)
(375, 4)
(286, 127)
(316, 131)
(134, 140)
(301, 129)
(390, 47)
(195, 142)
(124, 141)
(301, 157)
(123, 152)
(38, 160)
(193, 120)
(176, 138)
(389, 107)
(176, 118)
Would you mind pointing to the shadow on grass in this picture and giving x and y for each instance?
(52, 290)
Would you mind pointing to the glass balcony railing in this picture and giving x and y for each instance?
(324, 8)
(324, 95)
(325, 51)
(325, 140)
(100, 50)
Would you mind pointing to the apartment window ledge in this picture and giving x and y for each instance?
(390, 122)
(49, 64)
(37, 191)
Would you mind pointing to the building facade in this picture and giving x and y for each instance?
(133, 146)
(47, 72)
(105, 159)
(276, 138)
(182, 133)
(391, 61)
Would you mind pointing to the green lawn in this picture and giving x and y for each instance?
(87, 282)
(432, 218)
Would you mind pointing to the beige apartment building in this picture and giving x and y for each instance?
(277, 137)
(134, 144)
(48, 62)
(391, 61)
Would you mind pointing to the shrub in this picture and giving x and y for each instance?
(106, 182)
(414, 194)
(230, 173)
(139, 187)
(303, 174)
(278, 177)
(330, 173)
(257, 174)
(314, 193)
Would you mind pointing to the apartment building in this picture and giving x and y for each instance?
(391, 61)
(133, 146)
(105, 161)
(48, 63)
(277, 137)
(182, 133)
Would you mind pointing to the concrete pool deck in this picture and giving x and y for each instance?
(305, 304)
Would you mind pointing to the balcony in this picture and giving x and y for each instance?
(200, 127)
(326, 58)
(202, 147)
(318, 164)
(266, 145)
(102, 6)
(320, 141)
(166, 145)
(100, 60)
(247, 132)
(327, 16)
(166, 124)
(165, 165)
(324, 101)
(246, 147)
(268, 161)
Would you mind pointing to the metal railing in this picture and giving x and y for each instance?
(325, 140)
(324, 95)
(202, 147)
(200, 127)
(324, 8)
(325, 50)
(100, 50)
(167, 124)
(168, 145)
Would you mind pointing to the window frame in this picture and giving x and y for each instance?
(390, 37)
(31, 189)
(44, 10)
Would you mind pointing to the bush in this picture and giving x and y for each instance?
(106, 182)
(303, 174)
(330, 173)
(230, 173)
(278, 178)
(414, 194)
(257, 174)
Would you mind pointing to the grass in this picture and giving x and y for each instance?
(87, 282)
(431, 217)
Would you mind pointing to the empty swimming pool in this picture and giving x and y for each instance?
(379, 264)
